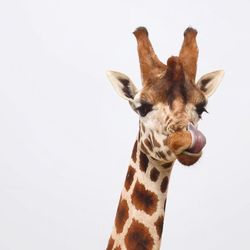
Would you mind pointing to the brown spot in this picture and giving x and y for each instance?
(153, 158)
(129, 178)
(118, 248)
(154, 174)
(160, 154)
(134, 152)
(167, 165)
(138, 237)
(121, 216)
(143, 162)
(169, 122)
(164, 184)
(144, 199)
(155, 142)
(144, 148)
(148, 144)
(110, 244)
(165, 202)
(159, 225)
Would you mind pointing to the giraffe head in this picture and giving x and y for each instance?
(170, 103)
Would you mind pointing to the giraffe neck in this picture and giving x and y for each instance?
(140, 214)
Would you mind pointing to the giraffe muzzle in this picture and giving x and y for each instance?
(187, 145)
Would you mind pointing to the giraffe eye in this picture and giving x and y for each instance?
(200, 110)
(144, 109)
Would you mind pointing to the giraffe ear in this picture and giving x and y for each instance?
(122, 84)
(209, 82)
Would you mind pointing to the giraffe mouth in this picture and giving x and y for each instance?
(187, 145)
(193, 153)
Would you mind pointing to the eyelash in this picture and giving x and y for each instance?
(200, 110)
(144, 109)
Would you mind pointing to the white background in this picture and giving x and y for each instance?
(66, 137)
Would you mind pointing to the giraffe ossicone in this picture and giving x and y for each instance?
(170, 105)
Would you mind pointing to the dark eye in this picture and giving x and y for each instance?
(200, 109)
(144, 108)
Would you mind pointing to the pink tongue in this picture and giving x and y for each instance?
(198, 140)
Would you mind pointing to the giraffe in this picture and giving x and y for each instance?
(169, 106)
